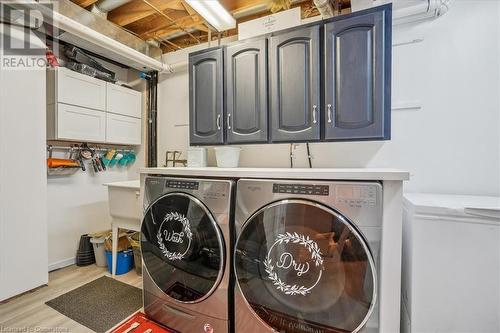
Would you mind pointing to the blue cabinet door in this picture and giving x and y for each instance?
(206, 97)
(246, 92)
(357, 99)
(294, 70)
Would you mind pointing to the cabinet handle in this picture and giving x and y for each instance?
(329, 113)
(314, 114)
(218, 121)
(228, 121)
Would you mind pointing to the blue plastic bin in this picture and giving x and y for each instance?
(124, 261)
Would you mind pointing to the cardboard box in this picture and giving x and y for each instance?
(123, 242)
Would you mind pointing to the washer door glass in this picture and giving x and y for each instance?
(182, 247)
(303, 267)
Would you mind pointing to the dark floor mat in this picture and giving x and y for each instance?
(100, 304)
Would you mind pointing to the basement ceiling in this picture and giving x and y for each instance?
(175, 25)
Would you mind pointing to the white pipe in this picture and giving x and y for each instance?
(324, 7)
(102, 7)
(179, 67)
(108, 5)
(73, 27)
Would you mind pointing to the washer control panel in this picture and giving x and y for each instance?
(307, 189)
(182, 184)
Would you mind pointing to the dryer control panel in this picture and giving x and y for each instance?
(301, 189)
(356, 196)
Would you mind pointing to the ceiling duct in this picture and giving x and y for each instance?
(103, 7)
(324, 7)
(407, 11)
(77, 26)
(418, 10)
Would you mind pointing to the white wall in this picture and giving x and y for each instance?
(78, 204)
(450, 145)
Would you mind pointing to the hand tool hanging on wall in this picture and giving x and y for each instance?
(85, 154)
(99, 159)
(101, 163)
(95, 164)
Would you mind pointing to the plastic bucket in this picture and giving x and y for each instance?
(227, 157)
(124, 261)
(85, 253)
(99, 252)
(135, 241)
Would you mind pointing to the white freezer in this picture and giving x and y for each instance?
(451, 264)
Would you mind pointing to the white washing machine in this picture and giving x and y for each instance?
(186, 251)
(306, 256)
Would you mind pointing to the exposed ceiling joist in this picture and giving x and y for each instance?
(188, 8)
(84, 3)
(179, 26)
(138, 9)
(176, 25)
(151, 23)
(186, 22)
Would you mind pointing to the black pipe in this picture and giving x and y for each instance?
(152, 119)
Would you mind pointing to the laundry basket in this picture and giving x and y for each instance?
(100, 255)
(135, 241)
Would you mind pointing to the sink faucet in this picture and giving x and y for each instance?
(173, 156)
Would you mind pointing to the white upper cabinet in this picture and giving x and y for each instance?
(124, 101)
(85, 109)
(73, 88)
(69, 122)
(122, 129)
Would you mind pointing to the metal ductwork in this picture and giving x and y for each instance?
(418, 10)
(103, 7)
(325, 8)
(408, 11)
(75, 25)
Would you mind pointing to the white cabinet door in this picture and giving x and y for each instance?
(76, 123)
(122, 129)
(124, 101)
(80, 90)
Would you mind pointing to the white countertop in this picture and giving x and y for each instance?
(285, 173)
(133, 184)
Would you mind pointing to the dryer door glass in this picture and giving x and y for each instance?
(303, 267)
(182, 247)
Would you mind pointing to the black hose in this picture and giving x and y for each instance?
(309, 155)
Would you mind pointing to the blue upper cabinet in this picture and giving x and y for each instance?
(357, 77)
(325, 81)
(206, 104)
(246, 92)
(294, 78)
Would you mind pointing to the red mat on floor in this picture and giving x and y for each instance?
(142, 325)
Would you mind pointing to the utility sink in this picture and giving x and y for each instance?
(124, 208)
(124, 199)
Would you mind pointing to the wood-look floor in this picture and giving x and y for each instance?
(28, 312)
